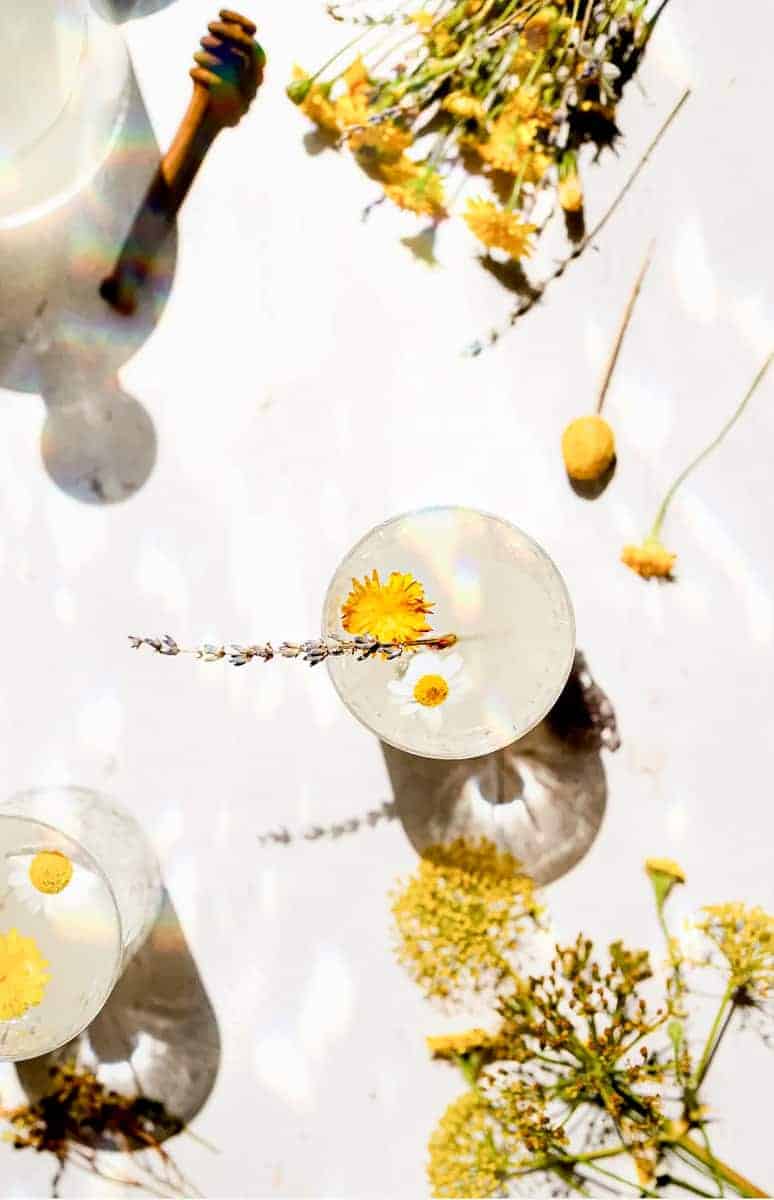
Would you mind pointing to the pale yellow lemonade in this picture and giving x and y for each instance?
(479, 578)
(60, 938)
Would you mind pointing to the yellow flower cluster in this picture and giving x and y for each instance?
(464, 1157)
(745, 939)
(499, 229)
(460, 917)
(395, 611)
(651, 560)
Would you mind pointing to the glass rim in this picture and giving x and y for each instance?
(542, 553)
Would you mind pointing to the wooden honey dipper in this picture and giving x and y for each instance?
(227, 76)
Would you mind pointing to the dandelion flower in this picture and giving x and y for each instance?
(48, 882)
(508, 142)
(588, 447)
(356, 75)
(385, 139)
(499, 229)
(415, 187)
(651, 560)
(431, 683)
(23, 975)
(664, 874)
(462, 104)
(395, 611)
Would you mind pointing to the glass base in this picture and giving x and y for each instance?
(113, 838)
(542, 799)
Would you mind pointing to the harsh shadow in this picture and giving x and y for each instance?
(59, 338)
(575, 225)
(509, 274)
(543, 798)
(591, 489)
(157, 1035)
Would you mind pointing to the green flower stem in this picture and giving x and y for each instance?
(713, 1039)
(728, 1174)
(639, 1189)
(687, 1187)
(661, 514)
(342, 50)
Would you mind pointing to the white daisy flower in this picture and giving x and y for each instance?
(431, 681)
(49, 881)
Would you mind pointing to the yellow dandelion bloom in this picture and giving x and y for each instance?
(23, 975)
(356, 75)
(50, 872)
(415, 187)
(665, 866)
(385, 140)
(350, 109)
(395, 611)
(571, 193)
(314, 101)
(462, 104)
(650, 560)
(524, 102)
(588, 447)
(664, 874)
(499, 229)
(508, 142)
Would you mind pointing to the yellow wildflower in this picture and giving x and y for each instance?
(23, 975)
(385, 140)
(538, 29)
(443, 44)
(465, 1158)
(50, 872)
(745, 939)
(524, 102)
(395, 611)
(664, 874)
(588, 447)
(450, 1045)
(350, 109)
(416, 187)
(650, 560)
(356, 75)
(423, 20)
(462, 104)
(508, 142)
(499, 229)
(571, 193)
(314, 101)
(460, 916)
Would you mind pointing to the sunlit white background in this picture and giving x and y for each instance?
(307, 381)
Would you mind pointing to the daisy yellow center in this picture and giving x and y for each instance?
(50, 872)
(431, 690)
(23, 975)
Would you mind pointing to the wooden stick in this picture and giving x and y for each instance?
(622, 329)
(227, 75)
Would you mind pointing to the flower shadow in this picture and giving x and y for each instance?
(157, 1036)
(592, 489)
(58, 337)
(543, 799)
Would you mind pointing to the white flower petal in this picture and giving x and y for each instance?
(451, 666)
(433, 717)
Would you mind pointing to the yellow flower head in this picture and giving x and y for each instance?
(23, 975)
(460, 916)
(350, 109)
(538, 29)
(571, 193)
(466, 1157)
(664, 874)
(384, 140)
(395, 611)
(588, 447)
(415, 187)
(423, 20)
(462, 104)
(525, 102)
(451, 1045)
(650, 560)
(745, 939)
(356, 75)
(509, 142)
(499, 229)
(50, 872)
(314, 101)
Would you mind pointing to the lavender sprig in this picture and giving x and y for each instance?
(312, 652)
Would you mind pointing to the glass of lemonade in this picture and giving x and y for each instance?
(64, 88)
(451, 571)
(79, 892)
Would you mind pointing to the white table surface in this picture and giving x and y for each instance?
(305, 381)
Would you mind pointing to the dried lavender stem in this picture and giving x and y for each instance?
(627, 316)
(312, 652)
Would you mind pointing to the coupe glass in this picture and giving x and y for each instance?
(80, 890)
(64, 90)
(502, 597)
